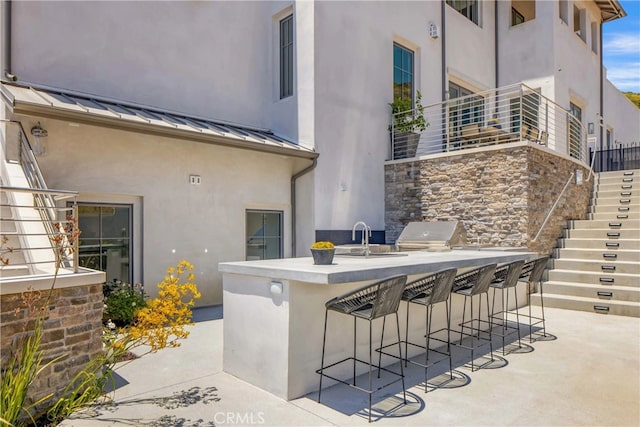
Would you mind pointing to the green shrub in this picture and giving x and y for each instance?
(122, 302)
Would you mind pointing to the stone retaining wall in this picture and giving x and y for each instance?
(73, 328)
(501, 195)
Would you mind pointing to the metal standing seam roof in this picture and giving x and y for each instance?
(73, 106)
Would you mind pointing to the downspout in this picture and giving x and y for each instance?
(495, 44)
(6, 42)
(443, 48)
(294, 178)
(601, 118)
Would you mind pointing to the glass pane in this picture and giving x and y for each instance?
(105, 241)
(407, 61)
(397, 56)
(272, 224)
(89, 221)
(272, 248)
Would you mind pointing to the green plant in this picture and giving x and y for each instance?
(322, 245)
(27, 360)
(122, 302)
(405, 117)
(159, 324)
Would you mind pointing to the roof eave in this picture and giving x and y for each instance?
(26, 108)
(611, 10)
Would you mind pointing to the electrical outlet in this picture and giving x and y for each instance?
(195, 179)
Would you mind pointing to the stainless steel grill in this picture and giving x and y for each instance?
(434, 235)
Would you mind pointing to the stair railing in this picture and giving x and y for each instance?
(61, 232)
(554, 206)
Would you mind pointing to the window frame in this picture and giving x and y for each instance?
(280, 237)
(470, 9)
(563, 11)
(285, 55)
(404, 72)
(101, 238)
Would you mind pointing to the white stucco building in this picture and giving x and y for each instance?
(223, 131)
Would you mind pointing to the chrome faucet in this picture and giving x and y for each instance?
(366, 233)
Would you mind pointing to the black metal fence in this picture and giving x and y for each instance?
(623, 157)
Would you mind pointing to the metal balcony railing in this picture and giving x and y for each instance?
(508, 114)
(38, 226)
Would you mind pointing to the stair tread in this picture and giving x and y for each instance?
(598, 273)
(591, 286)
(596, 301)
(596, 261)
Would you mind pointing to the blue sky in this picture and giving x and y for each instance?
(621, 48)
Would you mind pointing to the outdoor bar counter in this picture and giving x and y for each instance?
(274, 312)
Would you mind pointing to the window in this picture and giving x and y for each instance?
(578, 23)
(402, 73)
(575, 130)
(264, 235)
(594, 37)
(468, 8)
(516, 17)
(286, 57)
(105, 243)
(522, 11)
(564, 11)
(464, 108)
(527, 111)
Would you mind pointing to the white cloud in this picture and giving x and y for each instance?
(622, 44)
(625, 76)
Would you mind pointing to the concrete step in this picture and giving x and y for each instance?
(600, 233)
(601, 255)
(594, 277)
(604, 177)
(604, 244)
(612, 216)
(619, 308)
(603, 266)
(601, 292)
(616, 199)
(614, 224)
(616, 187)
(614, 209)
(13, 270)
(10, 249)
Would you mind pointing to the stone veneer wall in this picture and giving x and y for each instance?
(73, 328)
(501, 195)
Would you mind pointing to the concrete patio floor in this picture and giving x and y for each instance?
(589, 375)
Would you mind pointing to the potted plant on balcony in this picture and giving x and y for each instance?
(322, 253)
(407, 124)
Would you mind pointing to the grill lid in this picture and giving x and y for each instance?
(432, 235)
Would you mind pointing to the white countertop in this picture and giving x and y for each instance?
(347, 269)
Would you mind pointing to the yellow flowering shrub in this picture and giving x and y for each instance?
(162, 322)
(322, 245)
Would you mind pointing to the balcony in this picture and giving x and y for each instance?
(509, 114)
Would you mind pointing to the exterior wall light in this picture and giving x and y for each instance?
(590, 128)
(433, 31)
(39, 133)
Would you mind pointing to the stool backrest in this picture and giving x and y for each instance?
(509, 274)
(442, 285)
(388, 295)
(532, 270)
(478, 279)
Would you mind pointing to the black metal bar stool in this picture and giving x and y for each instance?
(368, 303)
(429, 291)
(469, 284)
(531, 274)
(505, 278)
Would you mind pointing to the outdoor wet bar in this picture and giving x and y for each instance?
(274, 311)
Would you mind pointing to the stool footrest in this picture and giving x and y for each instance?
(351, 383)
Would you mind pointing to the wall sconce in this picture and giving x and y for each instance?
(433, 31)
(38, 133)
(590, 128)
(579, 178)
